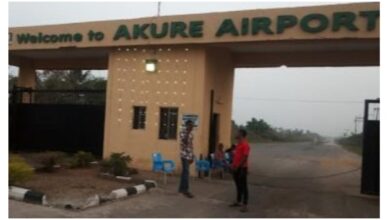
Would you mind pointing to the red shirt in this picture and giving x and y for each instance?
(242, 149)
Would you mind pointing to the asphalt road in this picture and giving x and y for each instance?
(286, 180)
(326, 167)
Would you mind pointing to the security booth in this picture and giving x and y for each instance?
(162, 70)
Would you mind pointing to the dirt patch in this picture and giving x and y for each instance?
(74, 186)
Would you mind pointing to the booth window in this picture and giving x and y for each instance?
(139, 117)
(168, 123)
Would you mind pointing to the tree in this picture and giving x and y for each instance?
(258, 126)
(63, 79)
(259, 131)
(70, 80)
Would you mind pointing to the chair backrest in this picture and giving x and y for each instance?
(157, 164)
(157, 157)
(202, 165)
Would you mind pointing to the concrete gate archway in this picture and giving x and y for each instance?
(194, 55)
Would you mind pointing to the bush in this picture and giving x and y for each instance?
(46, 161)
(18, 170)
(81, 159)
(353, 140)
(117, 165)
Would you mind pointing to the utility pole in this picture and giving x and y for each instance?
(158, 9)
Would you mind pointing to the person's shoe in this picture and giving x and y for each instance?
(188, 195)
(235, 204)
(244, 208)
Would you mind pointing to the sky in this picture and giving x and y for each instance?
(324, 100)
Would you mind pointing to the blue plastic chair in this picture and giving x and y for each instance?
(202, 166)
(161, 165)
(218, 165)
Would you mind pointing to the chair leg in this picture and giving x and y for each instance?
(165, 178)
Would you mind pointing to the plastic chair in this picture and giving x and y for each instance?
(217, 165)
(161, 165)
(202, 166)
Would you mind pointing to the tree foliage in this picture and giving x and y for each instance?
(67, 80)
(260, 131)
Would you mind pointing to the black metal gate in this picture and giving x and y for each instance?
(371, 149)
(56, 127)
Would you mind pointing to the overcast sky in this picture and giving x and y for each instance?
(324, 100)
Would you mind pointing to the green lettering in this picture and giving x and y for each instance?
(40, 37)
(261, 23)
(285, 21)
(345, 19)
(65, 38)
(196, 29)
(178, 28)
(372, 17)
(139, 31)
(78, 37)
(244, 26)
(163, 32)
(46, 39)
(122, 31)
(227, 27)
(53, 38)
(321, 19)
(23, 38)
(49, 38)
(33, 39)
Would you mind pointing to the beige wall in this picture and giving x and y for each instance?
(26, 78)
(184, 79)
(220, 78)
(178, 83)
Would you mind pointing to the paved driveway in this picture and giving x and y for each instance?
(286, 180)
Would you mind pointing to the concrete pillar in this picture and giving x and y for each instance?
(26, 79)
(220, 79)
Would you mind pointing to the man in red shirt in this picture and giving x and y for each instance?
(240, 170)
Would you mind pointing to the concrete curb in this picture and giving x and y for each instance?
(133, 190)
(27, 195)
(92, 202)
(126, 178)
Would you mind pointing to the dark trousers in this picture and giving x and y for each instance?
(240, 179)
(185, 176)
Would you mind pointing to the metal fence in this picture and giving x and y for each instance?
(56, 120)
